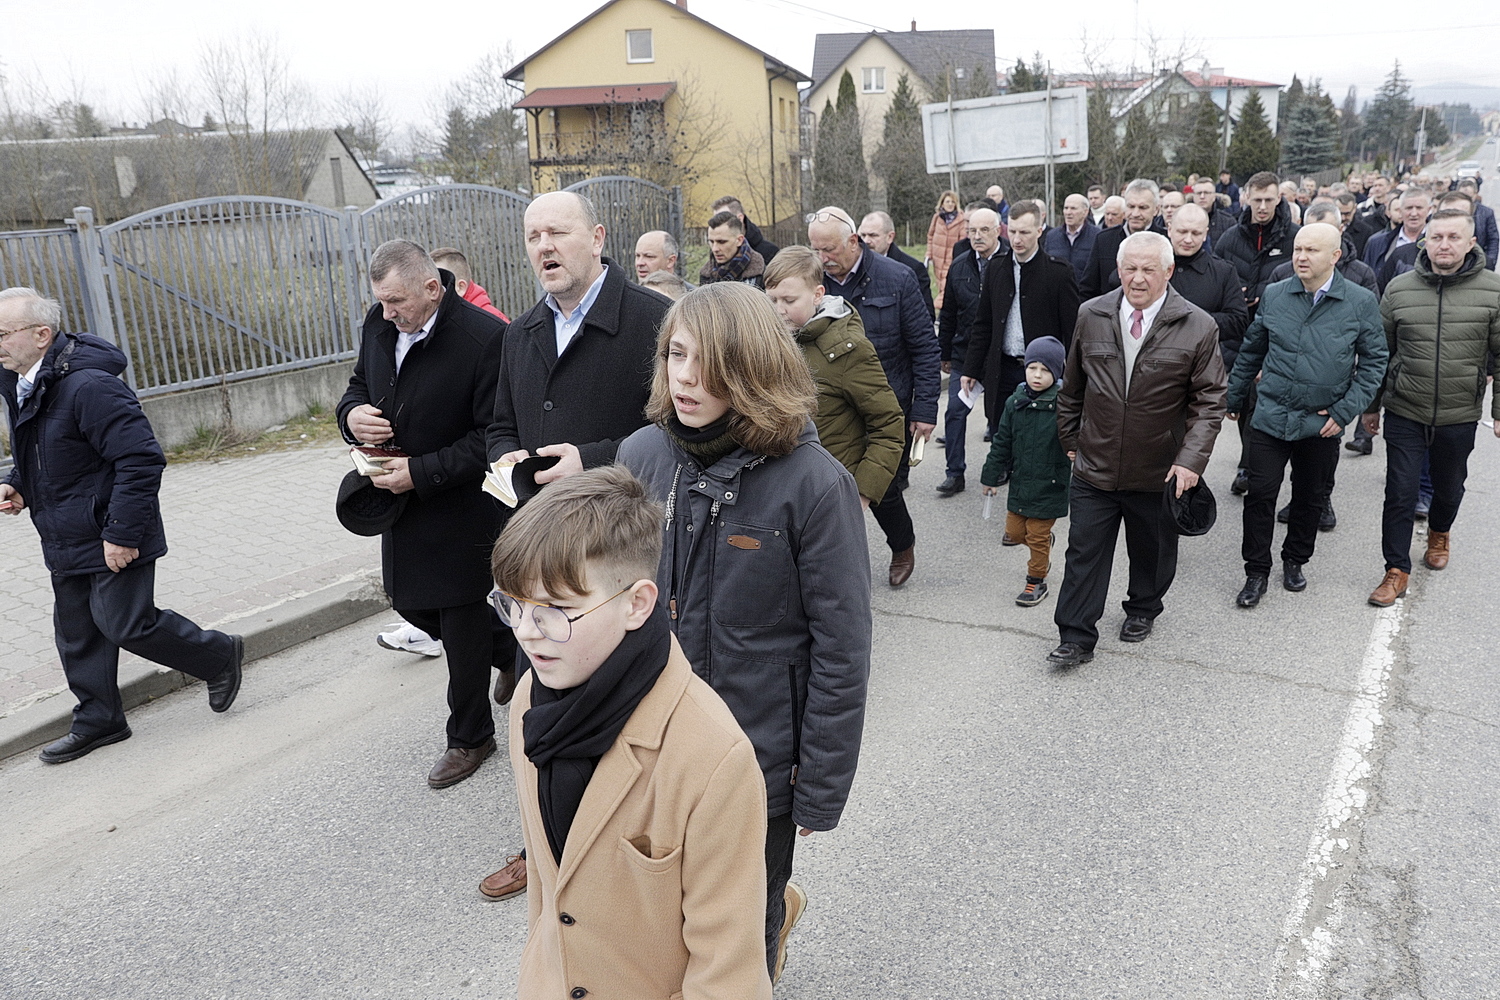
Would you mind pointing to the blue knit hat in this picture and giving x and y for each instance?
(1050, 352)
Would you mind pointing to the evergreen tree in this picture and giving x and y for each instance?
(209, 123)
(1141, 149)
(1201, 154)
(1350, 124)
(1252, 148)
(1312, 141)
(1289, 101)
(86, 124)
(902, 159)
(1026, 79)
(1388, 125)
(842, 178)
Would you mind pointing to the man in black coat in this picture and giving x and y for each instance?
(1256, 247)
(1005, 322)
(1220, 219)
(425, 384)
(753, 235)
(88, 467)
(1207, 282)
(879, 234)
(961, 294)
(577, 368)
(1102, 274)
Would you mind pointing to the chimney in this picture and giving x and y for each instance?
(682, 4)
(914, 26)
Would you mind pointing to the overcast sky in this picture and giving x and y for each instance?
(107, 50)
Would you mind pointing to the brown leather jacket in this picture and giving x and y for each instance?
(1176, 401)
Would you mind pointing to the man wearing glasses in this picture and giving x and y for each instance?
(89, 469)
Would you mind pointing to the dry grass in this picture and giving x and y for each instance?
(315, 427)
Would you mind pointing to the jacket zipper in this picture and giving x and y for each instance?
(1437, 352)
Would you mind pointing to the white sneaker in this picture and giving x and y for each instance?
(408, 638)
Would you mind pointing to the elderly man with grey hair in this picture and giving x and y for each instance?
(424, 384)
(878, 231)
(655, 251)
(1142, 197)
(88, 468)
(1141, 402)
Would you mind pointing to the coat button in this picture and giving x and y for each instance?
(703, 486)
(567, 918)
(547, 405)
(437, 478)
(578, 993)
(728, 495)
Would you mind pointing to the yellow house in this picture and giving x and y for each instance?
(644, 88)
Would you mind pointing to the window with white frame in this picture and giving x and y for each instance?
(874, 79)
(638, 46)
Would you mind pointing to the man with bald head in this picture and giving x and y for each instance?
(1319, 347)
(655, 251)
(897, 323)
(1206, 281)
(576, 371)
(879, 233)
(1073, 241)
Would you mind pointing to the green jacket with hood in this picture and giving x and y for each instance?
(859, 420)
(1440, 328)
(1026, 441)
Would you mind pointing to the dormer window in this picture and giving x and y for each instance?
(638, 46)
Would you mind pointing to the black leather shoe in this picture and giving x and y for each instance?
(223, 689)
(1360, 446)
(1328, 520)
(1250, 595)
(1069, 654)
(950, 486)
(1284, 514)
(989, 436)
(1241, 484)
(940, 439)
(1292, 578)
(1135, 629)
(75, 745)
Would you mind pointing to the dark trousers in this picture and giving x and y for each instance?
(474, 640)
(1246, 412)
(97, 615)
(1407, 443)
(891, 513)
(781, 842)
(1012, 374)
(1150, 540)
(955, 424)
(1313, 461)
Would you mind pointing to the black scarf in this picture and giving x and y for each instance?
(707, 444)
(566, 732)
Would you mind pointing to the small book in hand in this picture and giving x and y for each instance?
(370, 460)
(513, 483)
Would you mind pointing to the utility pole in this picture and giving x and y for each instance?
(1224, 147)
(952, 144)
(1421, 138)
(1051, 168)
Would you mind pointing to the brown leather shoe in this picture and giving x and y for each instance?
(902, 563)
(1392, 587)
(458, 763)
(507, 882)
(505, 686)
(1437, 550)
(1005, 539)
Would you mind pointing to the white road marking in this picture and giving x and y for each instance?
(1307, 938)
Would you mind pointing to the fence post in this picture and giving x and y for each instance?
(351, 231)
(91, 265)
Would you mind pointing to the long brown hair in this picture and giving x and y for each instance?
(957, 205)
(746, 359)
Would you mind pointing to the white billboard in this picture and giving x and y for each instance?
(1010, 131)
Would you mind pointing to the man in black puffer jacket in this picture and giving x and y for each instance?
(89, 469)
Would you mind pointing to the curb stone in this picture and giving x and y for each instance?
(266, 631)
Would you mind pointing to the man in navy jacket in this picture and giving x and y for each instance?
(89, 469)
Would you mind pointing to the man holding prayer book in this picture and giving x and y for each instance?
(424, 385)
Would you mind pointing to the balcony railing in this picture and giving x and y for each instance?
(598, 147)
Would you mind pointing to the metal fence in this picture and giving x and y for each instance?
(214, 290)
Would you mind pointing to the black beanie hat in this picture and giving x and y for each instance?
(1049, 351)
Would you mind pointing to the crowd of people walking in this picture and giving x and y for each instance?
(678, 612)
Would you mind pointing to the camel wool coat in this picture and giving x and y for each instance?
(662, 887)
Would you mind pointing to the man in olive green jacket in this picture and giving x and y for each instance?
(1318, 345)
(1442, 320)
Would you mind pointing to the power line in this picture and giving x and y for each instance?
(822, 13)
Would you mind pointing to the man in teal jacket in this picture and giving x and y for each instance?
(1319, 346)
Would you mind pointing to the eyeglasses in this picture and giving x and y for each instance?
(553, 622)
(831, 217)
(29, 326)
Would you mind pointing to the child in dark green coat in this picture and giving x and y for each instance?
(1026, 443)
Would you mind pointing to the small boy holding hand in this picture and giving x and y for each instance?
(1026, 442)
(859, 420)
(642, 804)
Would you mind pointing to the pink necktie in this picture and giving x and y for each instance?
(1135, 324)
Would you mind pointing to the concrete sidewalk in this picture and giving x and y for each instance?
(253, 547)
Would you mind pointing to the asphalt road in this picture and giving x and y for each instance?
(1295, 801)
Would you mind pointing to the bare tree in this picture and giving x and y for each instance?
(250, 88)
(363, 117)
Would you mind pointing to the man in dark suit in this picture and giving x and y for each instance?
(425, 383)
(879, 234)
(1005, 322)
(1073, 241)
(577, 369)
(1102, 274)
(961, 295)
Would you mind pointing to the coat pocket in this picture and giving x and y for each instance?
(752, 569)
(75, 520)
(649, 857)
